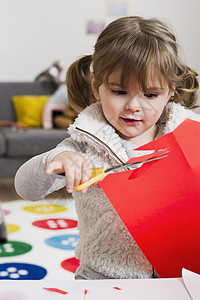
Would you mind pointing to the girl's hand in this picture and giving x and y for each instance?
(77, 167)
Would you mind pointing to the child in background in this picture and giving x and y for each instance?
(133, 89)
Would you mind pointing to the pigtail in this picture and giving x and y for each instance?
(78, 83)
(186, 88)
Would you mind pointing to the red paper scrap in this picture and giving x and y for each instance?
(56, 290)
(85, 292)
(117, 288)
(159, 203)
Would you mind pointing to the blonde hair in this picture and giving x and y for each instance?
(139, 47)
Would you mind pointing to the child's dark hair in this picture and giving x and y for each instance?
(141, 48)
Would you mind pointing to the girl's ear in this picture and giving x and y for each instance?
(171, 92)
(93, 86)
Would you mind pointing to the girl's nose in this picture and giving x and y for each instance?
(133, 104)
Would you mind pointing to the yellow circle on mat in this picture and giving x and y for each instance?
(12, 228)
(44, 209)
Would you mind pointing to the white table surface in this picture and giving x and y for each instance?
(143, 289)
(185, 288)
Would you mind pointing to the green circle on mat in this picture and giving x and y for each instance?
(14, 248)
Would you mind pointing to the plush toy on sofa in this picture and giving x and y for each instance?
(51, 74)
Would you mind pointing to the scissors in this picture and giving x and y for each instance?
(99, 173)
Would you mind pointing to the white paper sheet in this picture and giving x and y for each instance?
(138, 289)
(192, 283)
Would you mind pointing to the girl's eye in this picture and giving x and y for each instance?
(119, 92)
(150, 95)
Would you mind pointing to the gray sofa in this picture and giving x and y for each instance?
(16, 145)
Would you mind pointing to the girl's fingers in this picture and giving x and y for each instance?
(54, 165)
(86, 174)
(69, 182)
(81, 176)
(86, 171)
(73, 178)
(78, 176)
(76, 166)
(96, 184)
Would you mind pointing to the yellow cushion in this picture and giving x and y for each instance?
(28, 109)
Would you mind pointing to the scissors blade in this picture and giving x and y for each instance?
(100, 173)
(131, 164)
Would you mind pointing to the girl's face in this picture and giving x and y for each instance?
(132, 112)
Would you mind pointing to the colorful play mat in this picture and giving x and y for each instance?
(42, 237)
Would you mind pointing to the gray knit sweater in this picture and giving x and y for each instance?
(105, 247)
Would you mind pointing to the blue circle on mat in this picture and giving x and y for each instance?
(21, 271)
(66, 242)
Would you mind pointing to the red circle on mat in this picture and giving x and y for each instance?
(56, 224)
(70, 264)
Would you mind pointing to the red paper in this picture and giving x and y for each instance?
(56, 290)
(159, 203)
(117, 288)
(85, 292)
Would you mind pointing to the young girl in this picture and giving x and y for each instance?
(135, 89)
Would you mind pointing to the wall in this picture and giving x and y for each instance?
(34, 33)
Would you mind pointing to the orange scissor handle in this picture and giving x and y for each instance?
(96, 175)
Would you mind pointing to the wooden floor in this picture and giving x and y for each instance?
(8, 193)
(7, 190)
